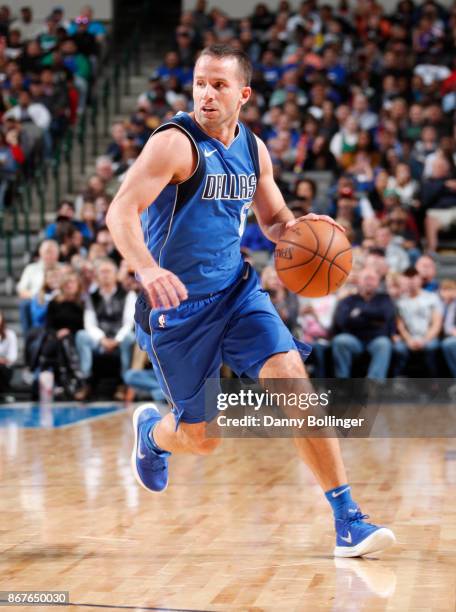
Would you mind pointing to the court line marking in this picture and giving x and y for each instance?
(79, 423)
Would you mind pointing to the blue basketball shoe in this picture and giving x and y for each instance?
(355, 537)
(149, 467)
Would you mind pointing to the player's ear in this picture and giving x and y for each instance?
(246, 92)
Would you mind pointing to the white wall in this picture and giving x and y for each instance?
(42, 8)
(242, 8)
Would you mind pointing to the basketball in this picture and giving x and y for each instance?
(313, 258)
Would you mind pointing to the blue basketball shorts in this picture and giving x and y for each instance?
(237, 326)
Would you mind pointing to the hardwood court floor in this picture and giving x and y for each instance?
(243, 530)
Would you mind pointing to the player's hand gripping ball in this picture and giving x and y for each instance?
(313, 258)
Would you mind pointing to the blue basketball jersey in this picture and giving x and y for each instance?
(194, 228)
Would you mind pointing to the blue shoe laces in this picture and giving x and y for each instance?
(156, 465)
(357, 516)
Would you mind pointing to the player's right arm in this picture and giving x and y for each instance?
(168, 157)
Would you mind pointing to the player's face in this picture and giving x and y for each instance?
(218, 91)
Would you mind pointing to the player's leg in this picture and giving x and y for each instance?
(322, 455)
(354, 537)
(258, 345)
(187, 438)
(184, 348)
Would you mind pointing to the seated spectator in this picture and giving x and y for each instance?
(396, 257)
(26, 24)
(8, 357)
(119, 134)
(58, 17)
(171, 68)
(285, 303)
(305, 197)
(104, 169)
(343, 144)
(86, 42)
(319, 158)
(426, 268)
(89, 225)
(362, 172)
(364, 322)
(446, 149)
(64, 318)
(419, 324)
(34, 118)
(96, 251)
(315, 320)
(404, 230)
(448, 297)
(14, 44)
(375, 258)
(40, 302)
(93, 27)
(79, 66)
(425, 146)
(129, 155)
(12, 136)
(71, 241)
(32, 279)
(403, 184)
(376, 195)
(438, 198)
(65, 214)
(48, 36)
(95, 188)
(56, 96)
(8, 169)
(108, 322)
(367, 119)
(105, 241)
(394, 285)
(348, 208)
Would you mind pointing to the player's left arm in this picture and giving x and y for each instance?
(273, 215)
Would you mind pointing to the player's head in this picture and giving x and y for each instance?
(221, 85)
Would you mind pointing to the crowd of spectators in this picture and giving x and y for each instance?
(357, 107)
(47, 70)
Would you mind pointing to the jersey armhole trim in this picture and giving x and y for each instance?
(188, 188)
(170, 124)
(253, 149)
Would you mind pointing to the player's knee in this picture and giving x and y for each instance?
(284, 365)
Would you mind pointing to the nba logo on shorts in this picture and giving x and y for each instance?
(162, 320)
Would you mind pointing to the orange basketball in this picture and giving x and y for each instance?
(313, 258)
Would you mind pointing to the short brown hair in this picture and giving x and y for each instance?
(221, 51)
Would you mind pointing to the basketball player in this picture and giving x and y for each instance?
(190, 190)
